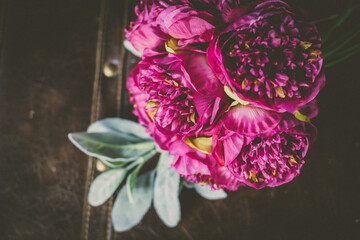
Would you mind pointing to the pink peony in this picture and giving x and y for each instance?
(187, 24)
(259, 156)
(159, 21)
(175, 95)
(269, 56)
(199, 167)
(141, 33)
(224, 114)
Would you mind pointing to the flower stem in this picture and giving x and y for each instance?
(341, 19)
(343, 52)
(334, 62)
(350, 33)
(341, 45)
(325, 19)
(140, 160)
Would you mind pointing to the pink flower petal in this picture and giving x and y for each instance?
(223, 177)
(186, 165)
(187, 161)
(251, 120)
(201, 74)
(189, 27)
(145, 37)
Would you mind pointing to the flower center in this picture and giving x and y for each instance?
(170, 104)
(271, 159)
(274, 57)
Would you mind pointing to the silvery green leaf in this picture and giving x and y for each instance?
(111, 146)
(166, 191)
(125, 214)
(113, 164)
(120, 125)
(132, 176)
(206, 192)
(104, 186)
(130, 48)
(188, 184)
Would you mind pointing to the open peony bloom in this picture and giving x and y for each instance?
(199, 167)
(260, 156)
(171, 94)
(272, 160)
(269, 56)
(159, 21)
(142, 34)
(187, 24)
(239, 113)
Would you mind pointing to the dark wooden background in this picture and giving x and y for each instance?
(51, 58)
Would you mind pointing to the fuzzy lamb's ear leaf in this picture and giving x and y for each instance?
(130, 181)
(119, 125)
(206, 192)
(189, 185)
(128, 46)
(104, 186)
(113, 164)
(125, 214)
(111, 146)
(166, 191)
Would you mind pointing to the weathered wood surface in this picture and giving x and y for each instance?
(51, 83)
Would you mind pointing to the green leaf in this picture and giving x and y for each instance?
(119, 125)
(111, 146)
(104, 186)
(128, 46)
(341, 45)
(166, 192)
(125, 214)
(206, 192)
(130, 181)
(345, 14)
(342, 58)
(113, 164)
(181, 184)
(340, 38)
(325, 19)
(189, 185)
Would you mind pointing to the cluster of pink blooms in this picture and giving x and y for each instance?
(228, 88)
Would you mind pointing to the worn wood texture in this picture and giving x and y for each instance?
(46, 78)
(51, 83)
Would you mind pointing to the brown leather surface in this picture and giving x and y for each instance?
(51, 83)
(46, 78)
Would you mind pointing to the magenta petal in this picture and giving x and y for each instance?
(201, 74)
(227, 148)
(310, 109)
(232, 147)
(187, 161)
(289, 105)
(292, 125)
(234, 13)
(319, 84)
(250, 120)
(223, 177)
(202, 104)
(145, 37)
(288, 122)
(139, 99)
(189, 27)
(163, 137)
(186, 165)
(215, 109)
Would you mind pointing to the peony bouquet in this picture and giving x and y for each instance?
(225, 91)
